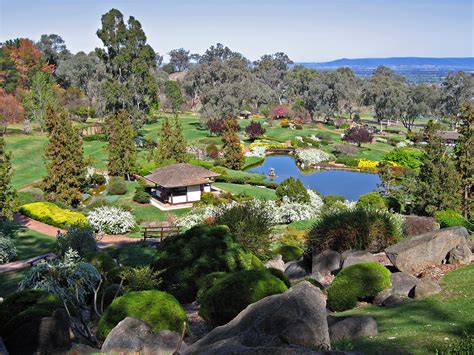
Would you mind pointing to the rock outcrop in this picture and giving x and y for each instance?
(352, 327)
(276, 263)
(326, 262)
(427, 287)
(351, 257)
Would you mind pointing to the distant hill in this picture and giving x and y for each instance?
(394, 61)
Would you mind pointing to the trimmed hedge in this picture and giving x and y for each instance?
(243, 181)
(53, 215)
(289, 252)
(160, 310)
(232, 293)
(355, 282)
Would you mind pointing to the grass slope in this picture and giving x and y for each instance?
(261, 193)
(30, 243)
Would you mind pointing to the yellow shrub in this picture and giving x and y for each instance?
(284, 123)
(53, 215)
(366, 164)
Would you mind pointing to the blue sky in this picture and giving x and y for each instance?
(307, 30)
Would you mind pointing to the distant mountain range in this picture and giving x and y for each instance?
(394, 61)
(415, 69)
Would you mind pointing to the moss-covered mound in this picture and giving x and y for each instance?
(232, 293)
(289, 252)
(358, 281)
(184, 259)
(158, 309)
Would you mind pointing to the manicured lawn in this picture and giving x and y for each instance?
(9, 282)
(261, 193)
(30, 243)
(422, 326)
(133, 255)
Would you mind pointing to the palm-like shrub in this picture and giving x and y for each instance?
(111, 220)
(359, 228)
(357, 282)
(232, 293)
(158, 309)
(182, 260)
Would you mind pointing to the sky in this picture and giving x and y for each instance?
(307, 30)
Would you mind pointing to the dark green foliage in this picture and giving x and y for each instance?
(232, 293)
(244, 181)
(174, 95)
(184, 259)
(26, 305)
(117, 186)
(103, 262)
(251, 225)
(141, 195)
(407, 157)
(171, 145)
(206, 282)
(360, 229)
(95, 137)
(139, 279)
(80, 239)
(96, 180)
(233, 156)
(65, 165)
(289, 252)
(372, 200)
(293, 189)
(450, 218)
(136, 254)
(121, 147)
(356, 282)
(281, 275)
(464, 152)
(158, 309)
(7, 194)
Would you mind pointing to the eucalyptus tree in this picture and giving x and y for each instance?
(181, 59)
(271, 69)
(458, 88)
(54, 48)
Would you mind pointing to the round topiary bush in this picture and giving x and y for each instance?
(360, 229)
(183, 260)
(372, 200)
(289, 252)
(358, 281)
(232, 293)
(159, 310)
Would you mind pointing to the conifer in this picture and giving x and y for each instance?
(7, 194)
(233, 157)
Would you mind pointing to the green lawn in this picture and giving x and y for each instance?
(9, 282)
(30, 243)
(261, 193)
(133, 255)
(422, 326)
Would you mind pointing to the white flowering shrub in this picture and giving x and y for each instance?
(312, 156)
(257, 151)
(381, 140)
(287, 211)
(111, 220)
(7, 249)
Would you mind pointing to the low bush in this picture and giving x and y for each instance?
(141, 195)
(184, 259)
(139, 279)
(372, 200)
(450, 218)
(280, 275)
(244, 181)
(80, 239)
(359, 229)
(160, 310)
(366, 164)
(416, 225)
(232, 293)
(96, 179)
(348, 161)
(26, 305)
(7, 249)
(345, 149)
(95, 137)
(53, 215)
(293, 190)
(360, 281)
(103, 262)
(117, 186)
(407, 157)
(111, 220)
(289, 252)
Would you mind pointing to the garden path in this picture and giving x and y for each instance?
(21, 264)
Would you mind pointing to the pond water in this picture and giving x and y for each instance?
(349, 184)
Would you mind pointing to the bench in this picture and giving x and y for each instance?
(45, 257)
(159, 232)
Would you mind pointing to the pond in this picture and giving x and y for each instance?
(349, 184)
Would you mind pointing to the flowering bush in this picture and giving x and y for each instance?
(7, 250)
(279, 111)
(111, 220)
(258, 151)
(366, 164)
(53, 215)
(312, 156)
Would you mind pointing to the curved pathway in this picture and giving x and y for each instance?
(21, 264)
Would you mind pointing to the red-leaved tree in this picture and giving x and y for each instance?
(358, 135)
(11, 111)
(254, 130)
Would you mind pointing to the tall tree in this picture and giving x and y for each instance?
(122, 149)
(464, 151)
(457, 89)
(54, 48)
(65, 166)
(11, 111)
(7, 194)
(233, 156)
(420, 101)
(129, 62)
(165, 150)
(174, 96)
(171, 145)
(180, 59)
(8, 74)
(178, 142)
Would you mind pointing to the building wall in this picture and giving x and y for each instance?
(194, 193)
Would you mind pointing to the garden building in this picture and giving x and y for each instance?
(180, 183)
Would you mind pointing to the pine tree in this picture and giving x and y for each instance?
(438, 181)
(64, 156)
(7, 194)
(165, 149)
(172, 145)
(122, 150)
(178, 142)
(233, 157)
(465, 157)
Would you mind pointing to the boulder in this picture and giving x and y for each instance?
(266, 350)
(77, 348)
(276, 263)
(353, 327)
(414, 254)
(403, 283)
(426, 287)
(393, 300)
(382, 296)
(326, 262)
(351, 257)
(296, 317)
(41, 335)
(134, 335)
(460, 254)
(295, 270)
